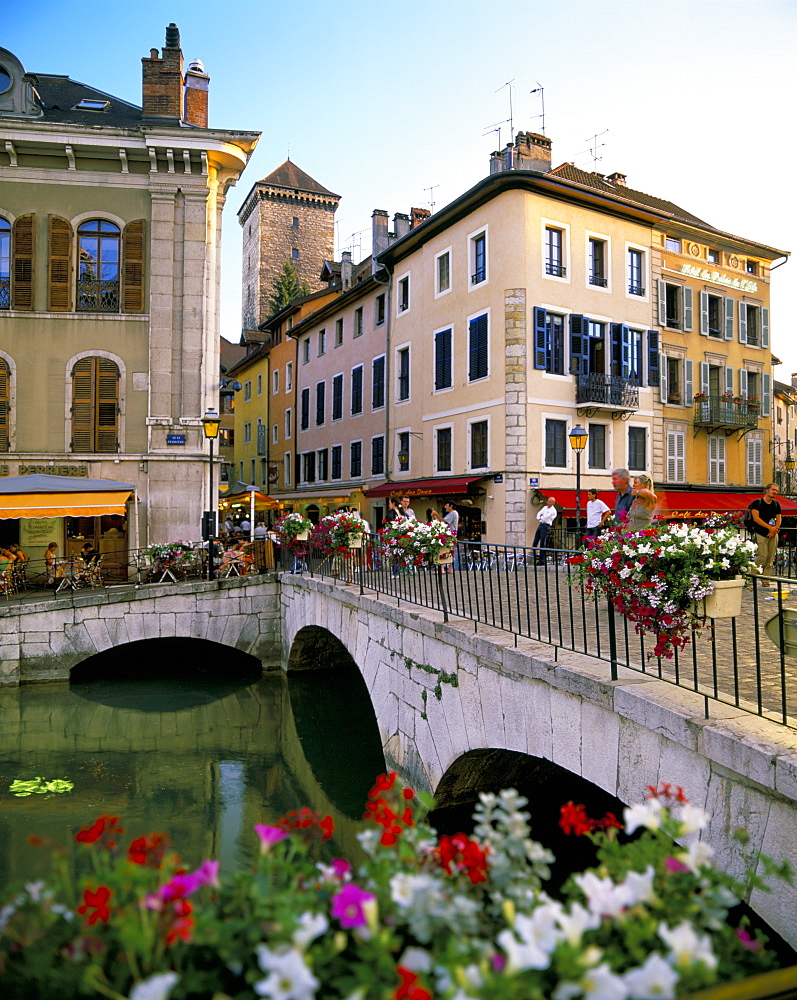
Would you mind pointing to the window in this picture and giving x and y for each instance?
(275, 433)
(252, 470)
(5, 264)
(305, 350)
(403, 300)
(337, 462)
(597, 262)
(308, 467)
(295, 223)
(637, 448)
(636, 272)
(716, 459)
(478, 258)
(404, 451)
(596, 454)
(260, 385)
(320, 402)
(443, 273)
(379, 310)
(755, 461)
(378, 383)
(751, 267)
(443, 449)
(356, 459)
(554, 252)
(671, 243)
(477, 348)
(377, 455)
(555, 438)
(338, 332)
(322, 462)
(247, 432)
(675, 306)
(247, 390)
(288, 423)
(322, 342)
(479, 444)
(337, 397)
(676, 456)
(443, 375)
(286, 468)
(275, 381)
(98, 266)
(304, 416)
(358, 322)
(289, 377)
(357, 390)
(403, 373)
(294, 254)
(88, 105)
(753, 325)
(712, 256)
(95, 405)
(226, 437)
(549, 342)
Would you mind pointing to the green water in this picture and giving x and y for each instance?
(201, 758)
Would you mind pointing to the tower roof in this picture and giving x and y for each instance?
(290, 176)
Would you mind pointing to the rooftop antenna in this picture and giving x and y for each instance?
(431, 196)
(539, 89)
(511, 123)
(496, 127)
(596, 146)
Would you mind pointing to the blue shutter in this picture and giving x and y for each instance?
(616, 335)
(579, 345)
(478, 360)
(442, 360)
(542, 346)
(653, 357)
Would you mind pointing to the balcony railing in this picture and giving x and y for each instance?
(5, 293)
(717, 411)
(97, 296)
(599, 280)
(607, 390)
(636, 289)
(555, 268)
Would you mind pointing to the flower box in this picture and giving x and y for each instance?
(444, 557)
(355, 541)
(725, 601)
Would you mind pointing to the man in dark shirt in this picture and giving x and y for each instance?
(766, 513)
(624, 499)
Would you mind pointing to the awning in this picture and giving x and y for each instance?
(567, 498)
(62, 496)
(424, 487)
(262, 502)
(675, 503)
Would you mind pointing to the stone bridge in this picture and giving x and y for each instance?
(445, 696)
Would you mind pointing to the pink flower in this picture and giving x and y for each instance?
(341, 868)
(269, 836)
(347, 905)
(180, 886)
(746, 940)
(674, 866)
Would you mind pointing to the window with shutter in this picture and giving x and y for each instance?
(676, 451)
(442, 360)
(478, 349)
(21, 272)
(579, 345)
(5, 380)
(98, 266)
(320, 402)
(95, 406)
(337, 397)
(716, 459)
(755, 451)
(133, 267)
(60, 253)
(5, 264)
(357, 390)
(653, 357)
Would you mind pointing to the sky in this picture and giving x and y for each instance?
(396, 104)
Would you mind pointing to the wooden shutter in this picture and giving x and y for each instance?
(729, 310)
(478, 366)
(704, 377)
(107, 408)
(729, 379)
(664, 375)
(653, 357)
(95, 405)
(676, 466)
(704, 313)
(742, 323)
(5, 380)
(442, 360)
(766, 394)
(579, 345)
(716, 459)
(662, 297)
(689, 382)
(687, 299)
(755, 454)
(23, 246)
(133, 267)
(60, 253)
(764, 326)
(540, 340)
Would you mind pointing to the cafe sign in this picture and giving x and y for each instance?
(718, 278)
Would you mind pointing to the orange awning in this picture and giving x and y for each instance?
(63, 504)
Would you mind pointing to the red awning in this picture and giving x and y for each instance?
(676, 503)
(424, 487)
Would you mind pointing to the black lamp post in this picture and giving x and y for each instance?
(210, 425)
(578, 442)
(788, 465)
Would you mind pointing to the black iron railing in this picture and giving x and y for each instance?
(607, 390)
(718, 411)
(5, 293)
(97, 296)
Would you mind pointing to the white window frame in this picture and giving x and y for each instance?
(564, 419)
(403, 347)
(646, 429)
(371, 474)
(247, 390)
(359, 322)
(306, 351)
(259, 385)
(378, 409)
(564, 227)
(475, 315)
(435, 429)
(442, 329)
(607, 262)
(318, 478)
(754, 464)
(248, 432)
(399, 280)
(275, 433)
(342, 377)
(472, 238)
(340, 331)
(275, 382)
(322, 342)
(288, 423)
(399, 431)
(607, 454)
(332, 447)
(289, 376)
(670, 436)
(438, 291)
(483, 418)
(287, 468)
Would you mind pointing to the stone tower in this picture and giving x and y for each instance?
(286, 216)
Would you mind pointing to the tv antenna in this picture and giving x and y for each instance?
(539, 89)
(595, 146)
(511, 123)
(430, 189)
(496, 127)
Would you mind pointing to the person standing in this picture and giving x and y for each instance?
(451, 517)
(624, 498)
(407, 510)
(766, 514)
(395, 512)
(597, 513)
(643, 504)
(546, 517)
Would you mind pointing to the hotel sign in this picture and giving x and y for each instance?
(718, 278)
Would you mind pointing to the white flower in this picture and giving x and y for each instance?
(408, 890)
(697, 855)
(311, 926)
(654, 980)
(692, 818)
(416, 959)
(574, 923)
(604, 898)
(647, 814)
(288, 979)
(639, 887)
(599, 983)
(34, 890)
(538, 937)
(156, 987)
(686, 946)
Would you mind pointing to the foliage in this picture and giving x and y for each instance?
(334, 531)
(454, 917)
(286, 288)
(177, 553)
(724, 519)
(655, 576)
(413, 543)
(22, 787)
(291, 525)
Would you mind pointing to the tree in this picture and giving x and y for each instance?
(287, 287)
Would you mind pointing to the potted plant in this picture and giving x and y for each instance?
(660, 578)
(293, 528)
(454, 917)
(414, 543)
(339, 532)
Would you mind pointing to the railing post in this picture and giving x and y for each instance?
(612, 641)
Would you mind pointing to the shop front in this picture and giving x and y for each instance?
(429, 494)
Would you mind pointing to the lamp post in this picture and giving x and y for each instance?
(578, 442)
(788, 465)
(210, 425)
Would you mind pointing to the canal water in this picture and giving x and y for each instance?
(170, 739)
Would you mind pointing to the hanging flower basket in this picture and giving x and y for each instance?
(293, 528)
(725, 600)
(444, 557)
(355, 541)
(337, 534)
(413, 543)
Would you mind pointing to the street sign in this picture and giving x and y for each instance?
(175, 439)
(534, 482)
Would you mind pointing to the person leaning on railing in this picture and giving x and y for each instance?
(766, 515)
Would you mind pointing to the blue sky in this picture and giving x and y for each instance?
(381, 101)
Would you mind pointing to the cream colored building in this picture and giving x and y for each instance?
(110, 229)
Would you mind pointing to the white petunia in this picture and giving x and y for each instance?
(156, 987)
(697, 855)
(692, 818)
(687, 947)
(311, 926)
(639, 886)
(655, 980)
(647, 814)
(537, 936)
(604, 898)
(288, 976)
(601, 983)
(574, 922)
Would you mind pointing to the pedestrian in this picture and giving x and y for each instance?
(407, 510)
(546, 517)
(597, 513)
(451, 517)
(643, 504)
(766, 514)
(395, 512)
(624, 498)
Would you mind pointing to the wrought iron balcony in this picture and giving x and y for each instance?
(97, 296)
(609, 391)
(5, 293)
(719, 411)
(555, 268)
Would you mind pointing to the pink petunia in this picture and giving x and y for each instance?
(269, 836)
(348, 905)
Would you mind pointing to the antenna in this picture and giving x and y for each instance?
(596, 146)
(431, 198)
(495, 127)
(511, 123)
(539, 89)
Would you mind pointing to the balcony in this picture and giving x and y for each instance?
(611, 392)
(723, 411)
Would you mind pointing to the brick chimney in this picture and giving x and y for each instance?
(418, 215)
(530, 151)
(345, 270)
(617, 179)
(196, 95)
(162, 79)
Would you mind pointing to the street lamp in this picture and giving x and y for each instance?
(788, 465)
(578, 442)
(210, 425)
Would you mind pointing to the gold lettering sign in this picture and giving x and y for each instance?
(70, 470)
(718, 278)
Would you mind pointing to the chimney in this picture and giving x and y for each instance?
(417, 216)
(379, 237)
(530, 151)
(162, 79)
(196, 95)
(401, 224)
(345, 270)
(617, 179)
(794, 380)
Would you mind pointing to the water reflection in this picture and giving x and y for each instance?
(202, 759)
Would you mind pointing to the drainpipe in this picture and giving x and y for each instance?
(388, 320)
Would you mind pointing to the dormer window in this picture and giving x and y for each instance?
(5, 80)
(89, 105)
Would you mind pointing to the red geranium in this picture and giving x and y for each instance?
(97, 903)
(105, 829)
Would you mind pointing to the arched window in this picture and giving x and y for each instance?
(5, 264)
(5, 390)
(98, 266)
(95, 405)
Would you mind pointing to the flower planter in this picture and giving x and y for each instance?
(725, 601)
(303, 536)
(355, 541)
(444, 557)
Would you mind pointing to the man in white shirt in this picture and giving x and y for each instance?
(597, 513)
(406, 510)
(546, 517)
(451, 517)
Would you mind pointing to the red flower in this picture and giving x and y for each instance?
(98, 902)
(104, 829)
(148, 851)
(409, 990)
(574, 820)
(307, 819)
(464, 855)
